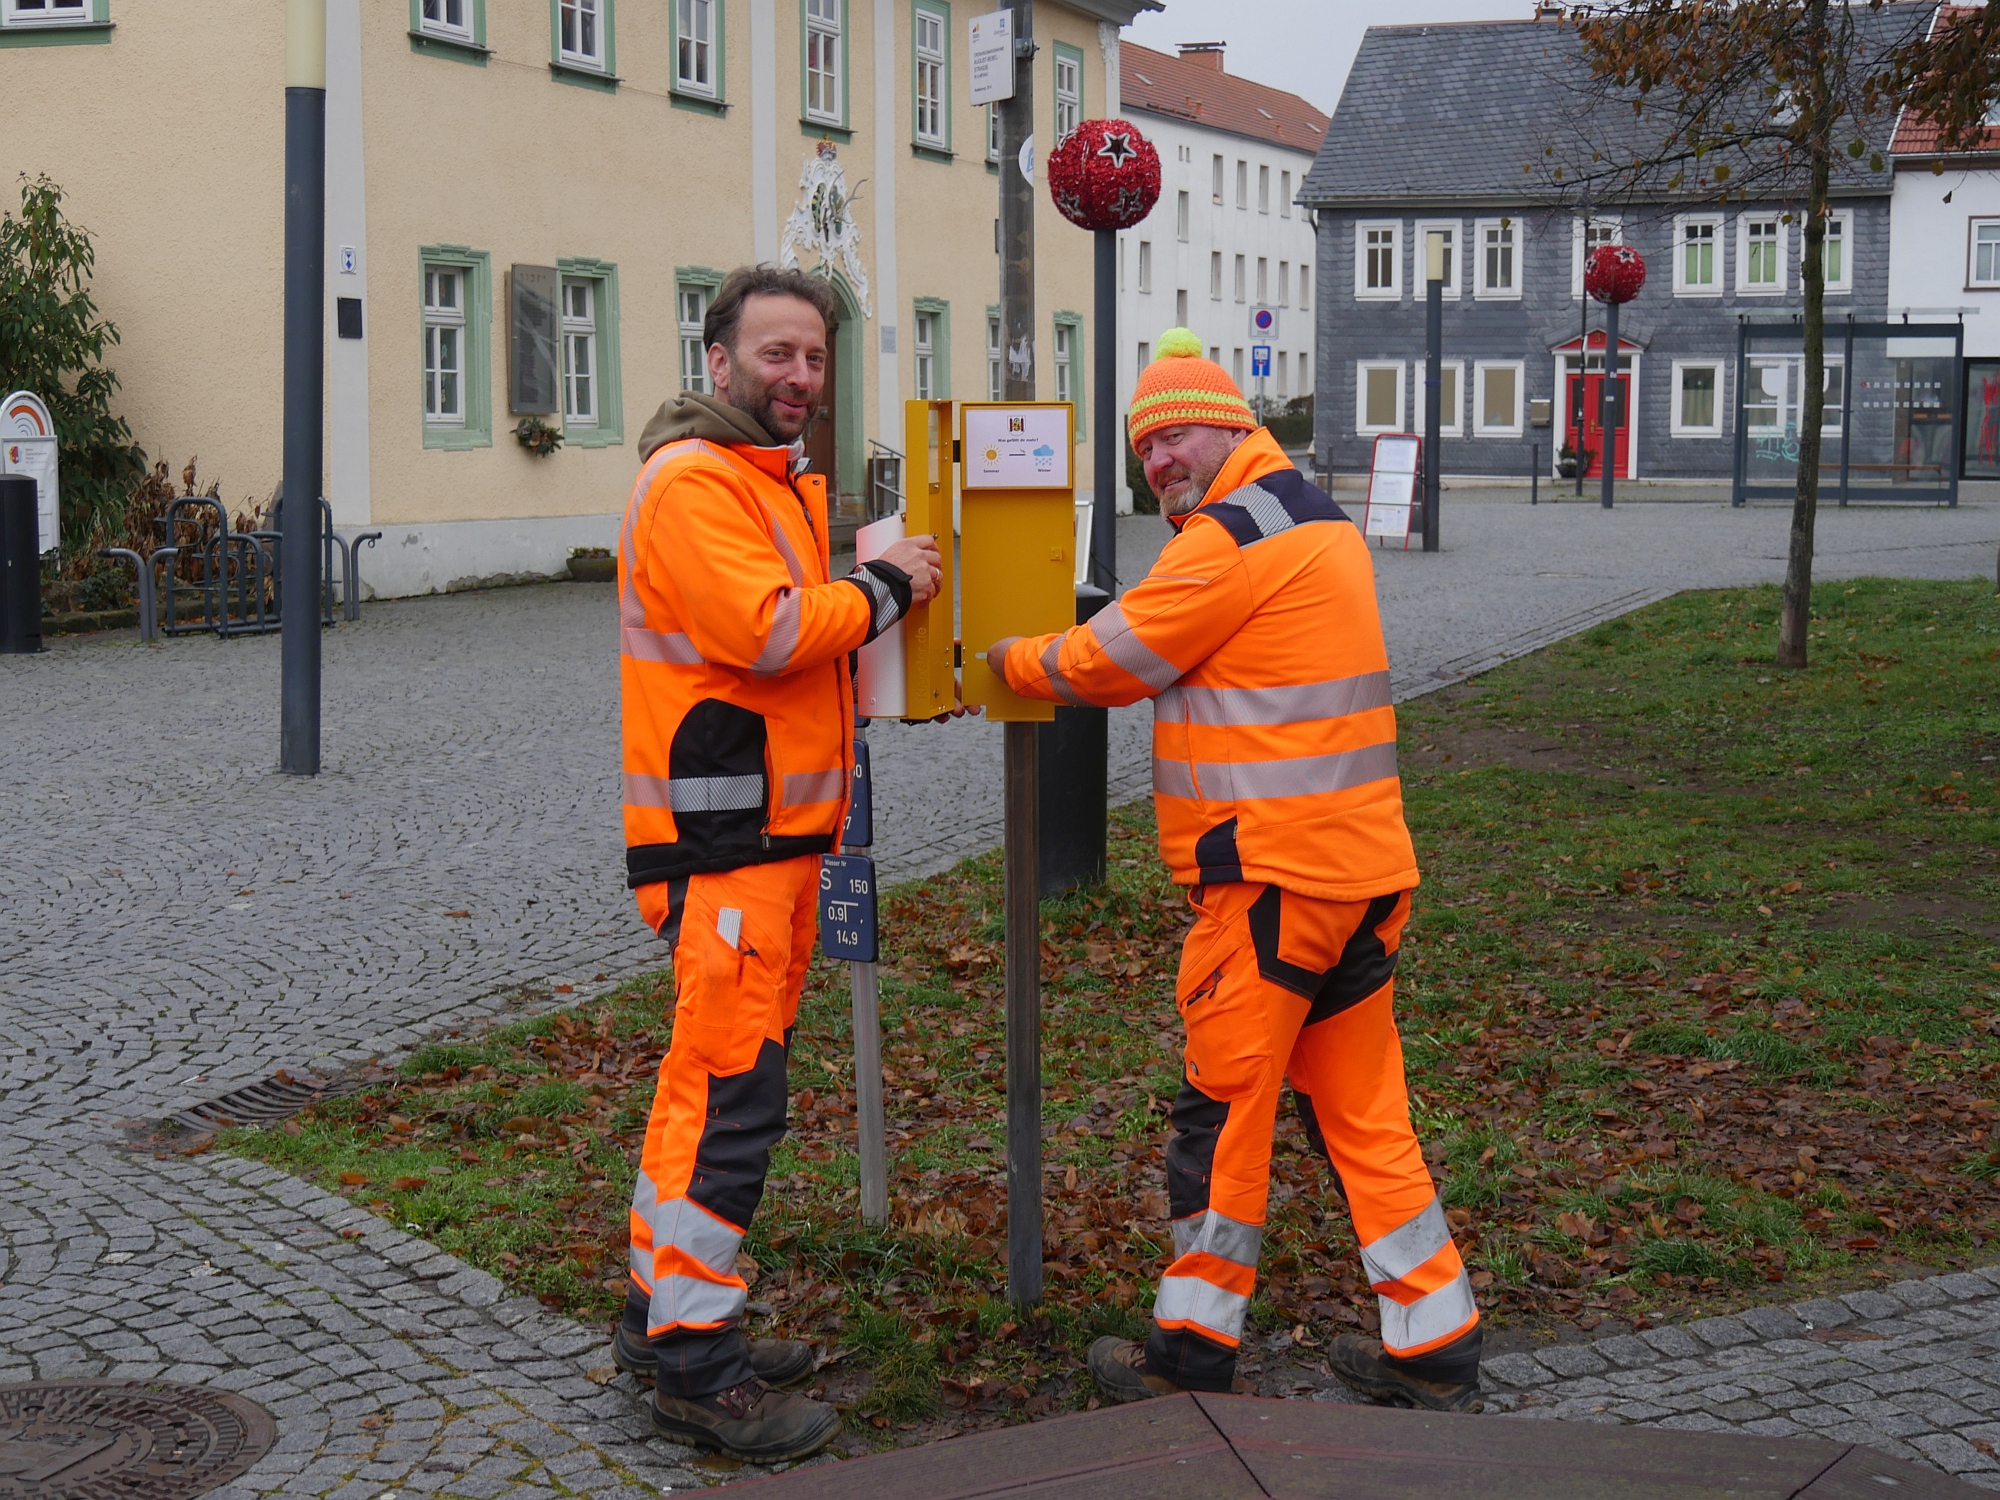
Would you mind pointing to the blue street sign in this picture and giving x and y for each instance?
(847, 907)
(1260, 360)
(859, 830)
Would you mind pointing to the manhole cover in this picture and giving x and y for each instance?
(125, 1440)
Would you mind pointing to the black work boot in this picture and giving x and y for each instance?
(1445, 1379)
(1119, 1368)
(774, 1361)
(748, 1421)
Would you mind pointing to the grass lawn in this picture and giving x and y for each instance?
(1698, 1005)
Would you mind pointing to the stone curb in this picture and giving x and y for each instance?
(1707, 1336)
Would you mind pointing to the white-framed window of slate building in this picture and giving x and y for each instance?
(1697, 410)
(1698, 255)
(1378, 396)
(1495, 243)
(1496, 387)
(1378, 259)
(1760, 254)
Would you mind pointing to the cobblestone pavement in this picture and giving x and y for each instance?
(180, 920)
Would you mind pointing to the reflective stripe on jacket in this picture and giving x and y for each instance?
(738, 708)
(1257, 636)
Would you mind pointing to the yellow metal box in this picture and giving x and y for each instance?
(928, 488)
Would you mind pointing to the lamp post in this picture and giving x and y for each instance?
(1434, 253)
(1612, 275)
(305, 352)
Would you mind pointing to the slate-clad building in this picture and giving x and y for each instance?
(1448, 126)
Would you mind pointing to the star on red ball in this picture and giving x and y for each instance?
(1105, 175)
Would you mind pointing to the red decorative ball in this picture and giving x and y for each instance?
(1614, 273)
(1105, 176)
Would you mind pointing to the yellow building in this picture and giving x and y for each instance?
(621, 153)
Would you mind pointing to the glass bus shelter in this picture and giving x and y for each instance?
(1893, 414)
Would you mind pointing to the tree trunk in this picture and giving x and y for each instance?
(1796, 621)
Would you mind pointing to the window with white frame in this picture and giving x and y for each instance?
(1145, 265)
(1760, 253)
(1495, 252)
(1378, 258)
(1215, 164)
(1837, 251)
(1586, 237)
(1284, 195)
(44, 12)
(1697, 410)
(1284, 283)
(1215, 272)
(1451, 396)
(580, 32)
(695, 69)
(1065, 350)
(1263, 278)
(931, 77)
(823, 49)
(1453, 233)
(1181, 218)
(1496, 392)
(694, 354)
(1982, 253)
(1263, 188)
(992, 357)
(1184, 153)
(1284, 375)
(1305, 374)
(1378, 396)
(444, 346)
(446, 18)
(1698, 255)
(1240, 279)
(1305, 286)
(1215, 354)
(579, 351)
(1242, 183)
(926, 355)
(1069, 95)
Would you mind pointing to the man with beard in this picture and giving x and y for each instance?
(1274, 776)
(738, 750)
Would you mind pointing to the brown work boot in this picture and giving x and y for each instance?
(1367, 1369)
(773, 1361)
(1119, 1368)
(748, 1421)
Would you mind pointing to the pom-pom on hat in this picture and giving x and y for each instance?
(1181, 389)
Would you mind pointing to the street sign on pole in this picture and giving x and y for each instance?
(1260, 360)
(992, 54)
(1263, 321)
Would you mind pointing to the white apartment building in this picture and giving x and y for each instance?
(1225, 236)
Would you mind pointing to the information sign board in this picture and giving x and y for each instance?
(858, 832)
(1392, 485)
(1017, 447)
(28, 446)
(847, 907)
(992, 54)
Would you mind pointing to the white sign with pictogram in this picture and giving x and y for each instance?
(28, 446)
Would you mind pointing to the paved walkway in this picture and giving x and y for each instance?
(179, 920)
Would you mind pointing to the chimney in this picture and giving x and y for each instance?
(1544, 12)
(1202, 54)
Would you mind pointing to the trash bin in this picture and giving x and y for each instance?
(1074, 753)
(20, 567)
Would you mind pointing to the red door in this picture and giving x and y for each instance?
(1593, 432)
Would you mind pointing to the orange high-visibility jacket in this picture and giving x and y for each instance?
(1257, 636)
(738, 706)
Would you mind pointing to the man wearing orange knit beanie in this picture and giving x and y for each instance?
(1274, 775)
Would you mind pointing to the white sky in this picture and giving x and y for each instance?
(1301, 46)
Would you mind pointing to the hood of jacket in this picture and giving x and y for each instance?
(692, 415)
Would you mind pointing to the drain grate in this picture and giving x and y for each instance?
(278, 1097)
(122, 1440)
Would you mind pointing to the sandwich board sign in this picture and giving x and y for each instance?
(1392, 485)
(28, 446)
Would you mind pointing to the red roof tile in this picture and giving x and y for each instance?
(1154, 83)
(1918, 137)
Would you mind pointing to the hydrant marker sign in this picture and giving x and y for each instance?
(847, 907)
(1016, 448)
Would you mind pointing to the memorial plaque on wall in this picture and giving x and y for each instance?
(533, 293)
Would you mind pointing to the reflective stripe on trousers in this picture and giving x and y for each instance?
(1412, 1317)
(1210, 1247)
(1301, 776)
(1434, 1316)
(678, 1225)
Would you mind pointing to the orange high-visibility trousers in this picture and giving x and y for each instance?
(1272, 986)
(745, 939)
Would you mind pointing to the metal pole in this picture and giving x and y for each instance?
(1110, 443)
(1607, 398)
(1433, 386)
(305, 350)
(1023, 853)
(868, 1096)
(1846, 404)
(1534, 473)
(1574, 415)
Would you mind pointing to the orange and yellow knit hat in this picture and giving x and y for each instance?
(1180, 388)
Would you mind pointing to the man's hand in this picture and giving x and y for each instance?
(918, 557)
(996, 657)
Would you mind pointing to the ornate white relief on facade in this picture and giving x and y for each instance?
(823, 223)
